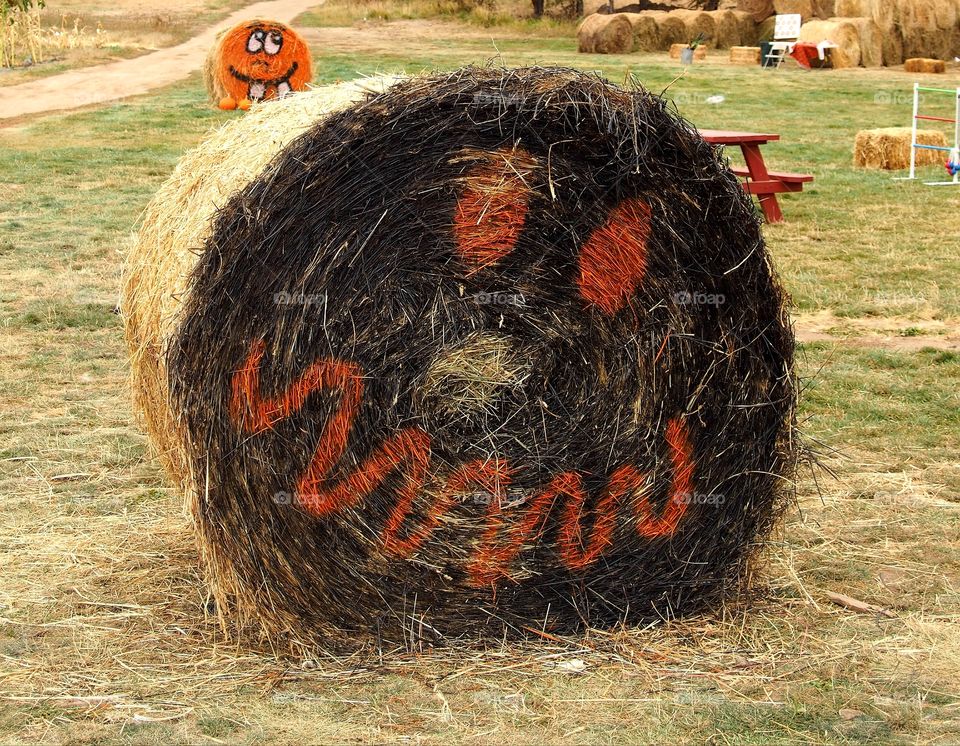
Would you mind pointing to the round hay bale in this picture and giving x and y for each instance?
(922, 35)
(885, 13)
(726, 29)
(759, 10)
(697, 23)
(211, 64)
(646, 32)
(843, 33)
(671, 29)
(825, 8)
(806, 8)
(745, 55)
(256, 60)
(852, 8)
(892, 47)
(945, 14)
(924, 65)
(491, 349)
(605, 34)
(889, 148)
(871, 40)
(749, 28)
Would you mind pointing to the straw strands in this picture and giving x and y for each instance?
(498, 376)
(256, 60)
(889, 148)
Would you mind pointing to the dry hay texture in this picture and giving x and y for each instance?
(490, 350)
(840, 31)
(646, 32)
(914, 28)
(889, 148)
(727, 29)
(672, 29)
(870, 39)
(697, 23)
(759, 10)
(676, 50)
(256, 60)
(605, 34)
(745, 55)
(924, 65)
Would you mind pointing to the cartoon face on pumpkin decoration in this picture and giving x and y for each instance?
(259, 60)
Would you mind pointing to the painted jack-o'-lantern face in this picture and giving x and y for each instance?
(261, 60)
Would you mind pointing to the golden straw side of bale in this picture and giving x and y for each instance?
(843, 33)
(852, 8)
(744, 55)
(727, 29)
(211, 64)
(670, 28)
(174, 229)
(749, 28)
(924, 65)
(646, 32)
(759, 10)
(871, 40)
(806, 8)
(697, 23)
(605, 34)
(889, 148)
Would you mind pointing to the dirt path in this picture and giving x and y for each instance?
(884, 333)
(115, 80)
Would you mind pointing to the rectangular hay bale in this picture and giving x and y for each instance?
(744, 55)
(924, 65)
(888, 148)
(698, 54)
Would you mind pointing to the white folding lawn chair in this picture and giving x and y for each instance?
(786, 31)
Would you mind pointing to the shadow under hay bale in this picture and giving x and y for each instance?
(492, 349)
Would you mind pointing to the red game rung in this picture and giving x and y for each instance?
(936, 119)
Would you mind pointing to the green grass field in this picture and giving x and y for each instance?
(103, 637)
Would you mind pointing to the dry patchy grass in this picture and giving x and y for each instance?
(105, 630)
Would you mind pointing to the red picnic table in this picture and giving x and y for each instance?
(766, 185)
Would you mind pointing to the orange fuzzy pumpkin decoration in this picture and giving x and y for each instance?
(257, 60)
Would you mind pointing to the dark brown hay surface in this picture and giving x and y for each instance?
(493, 349)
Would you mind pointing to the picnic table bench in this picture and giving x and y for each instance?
(766, 185)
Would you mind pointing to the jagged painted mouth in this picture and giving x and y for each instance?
(285, 78)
